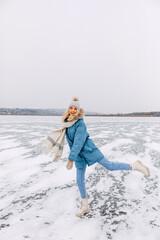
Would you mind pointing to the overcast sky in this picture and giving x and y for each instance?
(106, 52)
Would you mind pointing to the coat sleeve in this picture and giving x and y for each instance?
(79, 140)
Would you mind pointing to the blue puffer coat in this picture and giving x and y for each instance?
(82, 148)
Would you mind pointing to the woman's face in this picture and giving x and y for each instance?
(73, 110)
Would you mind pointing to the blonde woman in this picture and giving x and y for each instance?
(84, 152)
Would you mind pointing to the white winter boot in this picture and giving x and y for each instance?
(84, 208)
(141, 168)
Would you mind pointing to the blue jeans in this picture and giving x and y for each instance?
(112, 166)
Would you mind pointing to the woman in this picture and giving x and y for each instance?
(84, 152)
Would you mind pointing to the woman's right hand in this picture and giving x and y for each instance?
(69, 164)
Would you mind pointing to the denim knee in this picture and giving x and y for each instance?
(80, 177)
(81, 182)
(111, 166)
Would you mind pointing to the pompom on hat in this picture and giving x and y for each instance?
(75, 103)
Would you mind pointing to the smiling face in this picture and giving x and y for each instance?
(73, 111)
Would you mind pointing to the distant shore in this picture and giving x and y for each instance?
(127, 115)
(59, 112)
(87, 115)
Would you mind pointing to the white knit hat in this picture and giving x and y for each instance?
(75, 103)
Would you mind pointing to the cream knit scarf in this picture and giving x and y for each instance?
(55, 141)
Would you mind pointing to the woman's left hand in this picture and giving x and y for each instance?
(69, 164)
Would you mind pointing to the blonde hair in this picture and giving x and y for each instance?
(65, 115)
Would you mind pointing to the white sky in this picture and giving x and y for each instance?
(106, 52)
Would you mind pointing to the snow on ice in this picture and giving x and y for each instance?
(39, 197)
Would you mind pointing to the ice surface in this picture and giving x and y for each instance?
(39, 197)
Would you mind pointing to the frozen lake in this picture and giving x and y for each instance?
(39, 197)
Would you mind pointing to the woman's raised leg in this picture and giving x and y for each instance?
(114, 166)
